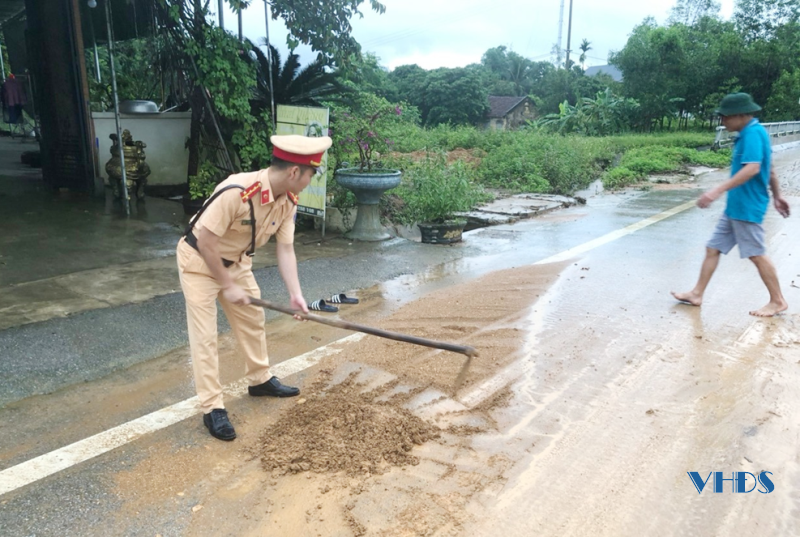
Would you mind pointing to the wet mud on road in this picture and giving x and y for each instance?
(593, 396)
(377, 426)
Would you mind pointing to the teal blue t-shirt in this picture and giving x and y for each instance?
(750, 200)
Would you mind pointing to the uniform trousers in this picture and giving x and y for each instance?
(201, 292)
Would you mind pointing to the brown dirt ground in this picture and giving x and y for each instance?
(344, 429)
(470, 156)
(360, 452)
(352, 428)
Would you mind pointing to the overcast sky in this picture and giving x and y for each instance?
(455, 33)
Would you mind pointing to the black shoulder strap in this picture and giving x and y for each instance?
(252, 250)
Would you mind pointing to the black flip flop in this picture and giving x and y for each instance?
(342, 298)
(321, 305)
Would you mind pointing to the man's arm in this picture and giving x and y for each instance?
(208, 247)
(747, 172)
(780, 203)
(287, 265)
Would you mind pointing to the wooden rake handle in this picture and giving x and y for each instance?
(461, 349)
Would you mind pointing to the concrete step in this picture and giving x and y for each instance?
(514, 208)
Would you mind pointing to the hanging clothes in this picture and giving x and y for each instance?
(14, 92)
(14, 98)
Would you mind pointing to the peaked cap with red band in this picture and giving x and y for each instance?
(300, 149)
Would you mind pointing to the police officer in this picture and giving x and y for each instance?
(214, 262)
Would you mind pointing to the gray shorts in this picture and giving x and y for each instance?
(748, 235)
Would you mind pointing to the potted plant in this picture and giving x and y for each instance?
(201, 187)
(360, 136)
(433, 196)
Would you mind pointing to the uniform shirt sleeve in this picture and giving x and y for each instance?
(285, 234)
(222, 212)
(752, 147)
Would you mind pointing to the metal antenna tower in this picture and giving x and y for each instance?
(560, 34)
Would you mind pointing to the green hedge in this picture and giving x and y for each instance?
(532, 161)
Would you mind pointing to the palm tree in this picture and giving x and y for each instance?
(585, 47)
(519, 72)
(307, 86)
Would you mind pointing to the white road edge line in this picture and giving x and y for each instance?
(614, 235)
(50, 463)
(487, 388)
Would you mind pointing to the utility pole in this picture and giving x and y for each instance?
(560, 34)
(220, 6)
(569, 35)
(269, 66)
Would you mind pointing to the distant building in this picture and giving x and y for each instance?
(509, 112)
(609, 70)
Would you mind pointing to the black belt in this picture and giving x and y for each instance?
(191, 240)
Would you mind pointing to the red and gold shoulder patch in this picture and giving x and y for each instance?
(292, 197)
(250, 191)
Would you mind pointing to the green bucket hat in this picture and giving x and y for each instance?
(737, 103)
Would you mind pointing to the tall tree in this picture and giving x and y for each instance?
(293, 84)
(409, 81)
(689, 12)
(761, 19)
(783, 103)
(368, 75)
(455, 96)
(654, 66)
(324, 26)
(584, 47)
(510, 73)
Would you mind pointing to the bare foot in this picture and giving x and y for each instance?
(691, 298)
(771, 309)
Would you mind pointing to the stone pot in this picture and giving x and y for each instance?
(368, 188)
(445, 233)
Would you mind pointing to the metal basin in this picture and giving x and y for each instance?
(138, 107)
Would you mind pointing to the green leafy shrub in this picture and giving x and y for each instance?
(433, 191)
(534, 161)
(542, 163)
(620, 177)
(202, 185)
(651, 160)
(713, 159)
(659, 159)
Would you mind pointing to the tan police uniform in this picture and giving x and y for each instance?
(229, 218)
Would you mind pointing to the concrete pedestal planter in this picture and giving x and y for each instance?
(444, 233)
(368, 188)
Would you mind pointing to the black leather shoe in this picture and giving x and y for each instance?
(273, 388)
(218, 424)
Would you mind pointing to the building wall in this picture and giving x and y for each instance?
(517, 117)
(165, 136)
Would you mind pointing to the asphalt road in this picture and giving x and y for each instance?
(628, 392)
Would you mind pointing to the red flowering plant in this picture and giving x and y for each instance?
(362, 130)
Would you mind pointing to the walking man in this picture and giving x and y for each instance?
(214, 263)
(748, 200)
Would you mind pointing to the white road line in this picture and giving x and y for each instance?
(88, 448)
(50, 463)
(614, 235)
(490, 386)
